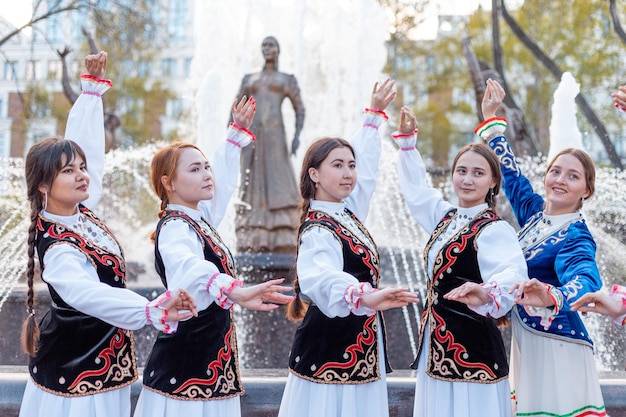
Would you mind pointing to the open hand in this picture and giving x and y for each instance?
(266, 296)
(494, 94)
(96, 64)
(599, 302)
(469, 293)
(387, 298)
(243, 111)
(532, 293)
(383, 95)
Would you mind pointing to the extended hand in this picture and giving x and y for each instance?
(264, 297)
(470, 293)
(96, 64)
(599, 302)
(494, 94)
(532, 293)
(243, 111)
(387, 298)
(180, 306)
(383, 95)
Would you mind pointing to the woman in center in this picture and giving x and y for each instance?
(472, 259)
(337, 361)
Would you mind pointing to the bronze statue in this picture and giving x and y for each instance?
(267, 220)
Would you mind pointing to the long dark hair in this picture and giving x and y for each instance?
(44, 161)
(313, 158)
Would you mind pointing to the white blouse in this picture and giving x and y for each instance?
(500, 257)
(69, 271)
(179, 245)
(320, 258)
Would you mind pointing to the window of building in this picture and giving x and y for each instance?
(54, 31)
(10, 70)
(176, 20)
(2, 115)
(144, 69)
(33, 70)
(168, 67)
(187, 67)
(55, 70)
(174, 108)
(4, 145)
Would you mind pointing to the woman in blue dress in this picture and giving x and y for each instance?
(550, 342)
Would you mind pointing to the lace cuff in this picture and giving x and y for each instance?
(491, 308)
(239, 136)
(94, 86)
(547, 314)
(353, 295)
(494, 126)
(219, 286)
(158, 316)
(618, 292)
(374, 118)
(406, 141)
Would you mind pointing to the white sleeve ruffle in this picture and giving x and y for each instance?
(322, 279)
(185, 266)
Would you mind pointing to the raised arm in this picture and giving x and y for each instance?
(426, 204)
(85, 123)
(225, 161)
(367, 148)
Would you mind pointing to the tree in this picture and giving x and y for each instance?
(557, 72)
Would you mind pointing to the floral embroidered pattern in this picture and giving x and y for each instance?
(360, 357)
(117, 365)
(222, 375)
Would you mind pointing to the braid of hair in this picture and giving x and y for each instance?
(297, 308)
(30, 327)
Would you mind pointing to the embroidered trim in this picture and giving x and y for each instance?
(380, 113)
(491, 127)
(586, 411)
(96, 79)
(398, 135)
(92, 93)
(372, 125)
(243, 129)
(233, 143)
(223, 297)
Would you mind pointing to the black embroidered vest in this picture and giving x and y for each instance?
(79, 354)
(463, 345)
(340, 350)
(199, 361)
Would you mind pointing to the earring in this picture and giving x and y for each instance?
(317, 185)
(45, 200)
(492, 191)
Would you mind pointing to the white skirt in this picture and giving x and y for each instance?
(553, 377)
(153, 404)
(436, 397)
(37, 403)
(303, 398)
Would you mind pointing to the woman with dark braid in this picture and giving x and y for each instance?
(82, 359)
(338, 362)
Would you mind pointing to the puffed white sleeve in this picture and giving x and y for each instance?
(76, 281)
(501, 264)
(185, 267)
(322, 279)
(367, 149)
(426, 204)
(85, 126)
(225, 165)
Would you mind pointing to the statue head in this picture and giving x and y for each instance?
(270, 49)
